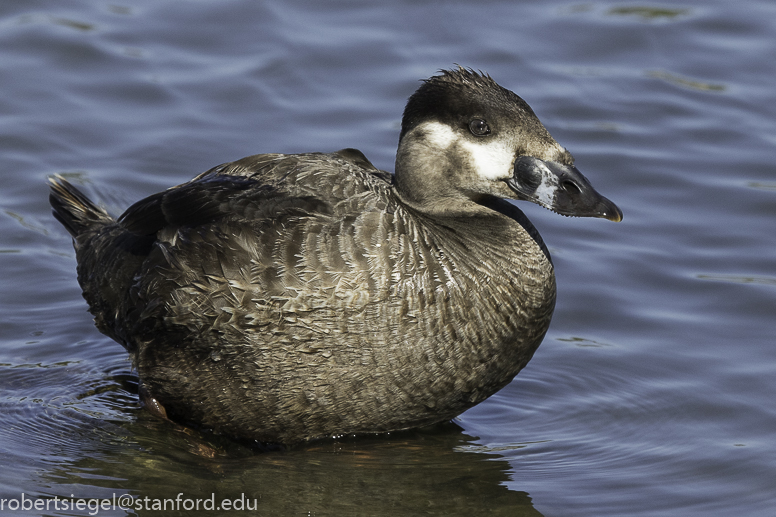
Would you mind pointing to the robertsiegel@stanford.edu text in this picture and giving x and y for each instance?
(93, 506)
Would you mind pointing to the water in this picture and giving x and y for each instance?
(653, 392)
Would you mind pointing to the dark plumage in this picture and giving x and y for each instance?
(284, 298)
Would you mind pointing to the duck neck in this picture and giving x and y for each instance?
(425, 181)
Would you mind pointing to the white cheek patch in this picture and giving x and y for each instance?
(545, 192)
(492, 159)
(439, 135)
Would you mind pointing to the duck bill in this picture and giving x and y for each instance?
(561, 188)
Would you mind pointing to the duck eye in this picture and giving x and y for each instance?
(479, 127)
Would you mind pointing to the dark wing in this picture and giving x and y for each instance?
(253, 188)
(211, 199)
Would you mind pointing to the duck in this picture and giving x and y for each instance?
(285, 298)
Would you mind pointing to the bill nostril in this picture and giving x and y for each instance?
(571, 187)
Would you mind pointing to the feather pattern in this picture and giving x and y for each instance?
(300, 285)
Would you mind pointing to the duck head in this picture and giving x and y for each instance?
(465, 138)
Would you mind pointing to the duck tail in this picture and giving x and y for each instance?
(73, 209)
